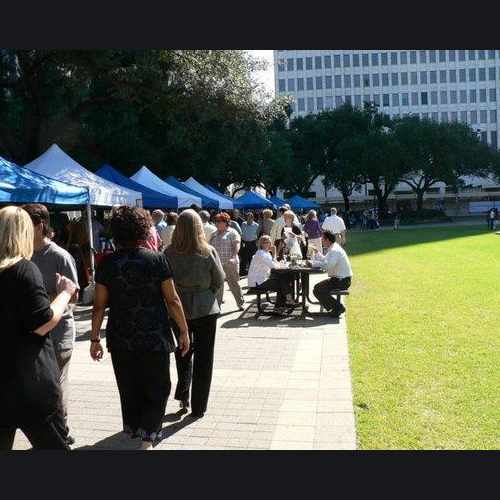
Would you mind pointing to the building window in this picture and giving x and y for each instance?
(492, 74)
(309, 63)
(289, 64)
(413, 78)
(300, 84)
(281, 65)
(463, 116)
(328, 82)
(453, 97)
(423, 98)
(385, 79)
(494, 139)
(357, 100)
(394, 79)
(364, 60)
(310, 104)
(451, 55)
(453, 76)
(472, 55)
(338, 82)
(473, 117)
(338, 100)
(366, 80)
(482, 74)
(433, 76)
(423, 56)
(385, 100)
(347, 81)
(376, 99)
(318, 62)
(347, 61)
(394, 58)
(493, 95)
(493, 115)
(301, 104)
(309, 83)
(355, 60)
(403, 57)
(423, 77)
(462, 75)
(376, 80)
(482, 95)
(404, 99)
(481, 55)
(395, 99)
(336, 61)
(442, 56)
(432, 56)
(384, 59)
(444, 116)
(435, 116)
(300, 64)
(491, 54)
(281, 85)
(463, 97)
(328, 62)
(375, 59)
(454, 116)
(329, 102)
(319, 103)
(291, 85)
(484, 137)
(444, 97)
(442, 76)
(348, 99)
(425, 116)
(357, 81)
(472, 74)
(472, 96)
(414, 98)
(319, 82)
(413, 57)
(434, 97)
(404, 78)
(461, 55)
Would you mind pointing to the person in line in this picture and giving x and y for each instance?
(51, 260)
(266, 224)
(397, 219)
(198, 276)
(159, 221)
(278, 225)
(337, 264)
(227, 243)
(168, 231)
(312, 230)
(30, 392)
(335, 225)
(152, 241)
(259, 275)
(237, 217)
(208, 228)
(289, 231)
(249, 231)
(233, 223)
(137, 285)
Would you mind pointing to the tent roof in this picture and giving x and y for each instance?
(277, 201)
(252, 200)
(297, 202)
(150, 198)
(145, 177)
(218, 192)
(20, 185)
(56, 164)
(199, 188)
(207, 202)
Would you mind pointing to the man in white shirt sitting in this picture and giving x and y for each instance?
(335, 225)
(337, 264)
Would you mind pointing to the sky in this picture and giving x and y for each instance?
(266, 77)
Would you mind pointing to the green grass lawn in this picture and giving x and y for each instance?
(424, 337)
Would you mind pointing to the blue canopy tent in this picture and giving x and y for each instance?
(206, 201)
(150, 198)
(252, 200)
(299, 203)
(277, 201)
(218, 193)
(20, 185)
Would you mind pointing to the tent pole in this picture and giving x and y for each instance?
(91, 242)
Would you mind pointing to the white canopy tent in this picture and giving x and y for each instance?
(56, 164)
(200, 188)
(145, 177)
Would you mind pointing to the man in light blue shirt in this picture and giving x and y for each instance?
(249, 236)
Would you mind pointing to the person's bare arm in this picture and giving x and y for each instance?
(101, 298)
(174, 306)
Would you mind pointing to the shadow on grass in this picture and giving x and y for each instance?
(359, 243)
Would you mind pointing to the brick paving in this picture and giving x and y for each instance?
(279, 383)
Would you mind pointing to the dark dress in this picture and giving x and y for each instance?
(30, 394)
(138, 336)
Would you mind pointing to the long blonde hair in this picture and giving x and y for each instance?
(16, 236)
(188, 237)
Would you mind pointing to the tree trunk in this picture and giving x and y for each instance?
(347, 203)
(420, 199)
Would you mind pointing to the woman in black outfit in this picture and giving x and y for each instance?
(198, 275)
(137, 285)
(30, 394)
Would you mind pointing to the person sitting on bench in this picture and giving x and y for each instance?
(337, 264)
(259, 275)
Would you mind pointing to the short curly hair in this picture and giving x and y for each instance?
(130, 225)
(222, 217)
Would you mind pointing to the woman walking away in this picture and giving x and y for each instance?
(313, 231)
(198, 276)
(30, 393)
(136, 283)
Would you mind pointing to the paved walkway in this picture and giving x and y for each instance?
(278, 384)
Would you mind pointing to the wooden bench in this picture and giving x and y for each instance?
(338, 294)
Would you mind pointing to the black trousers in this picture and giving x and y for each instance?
(280, 283)
(322, 291)
(247, 251)
(198, 370)
(44, 435)
(143, 380)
